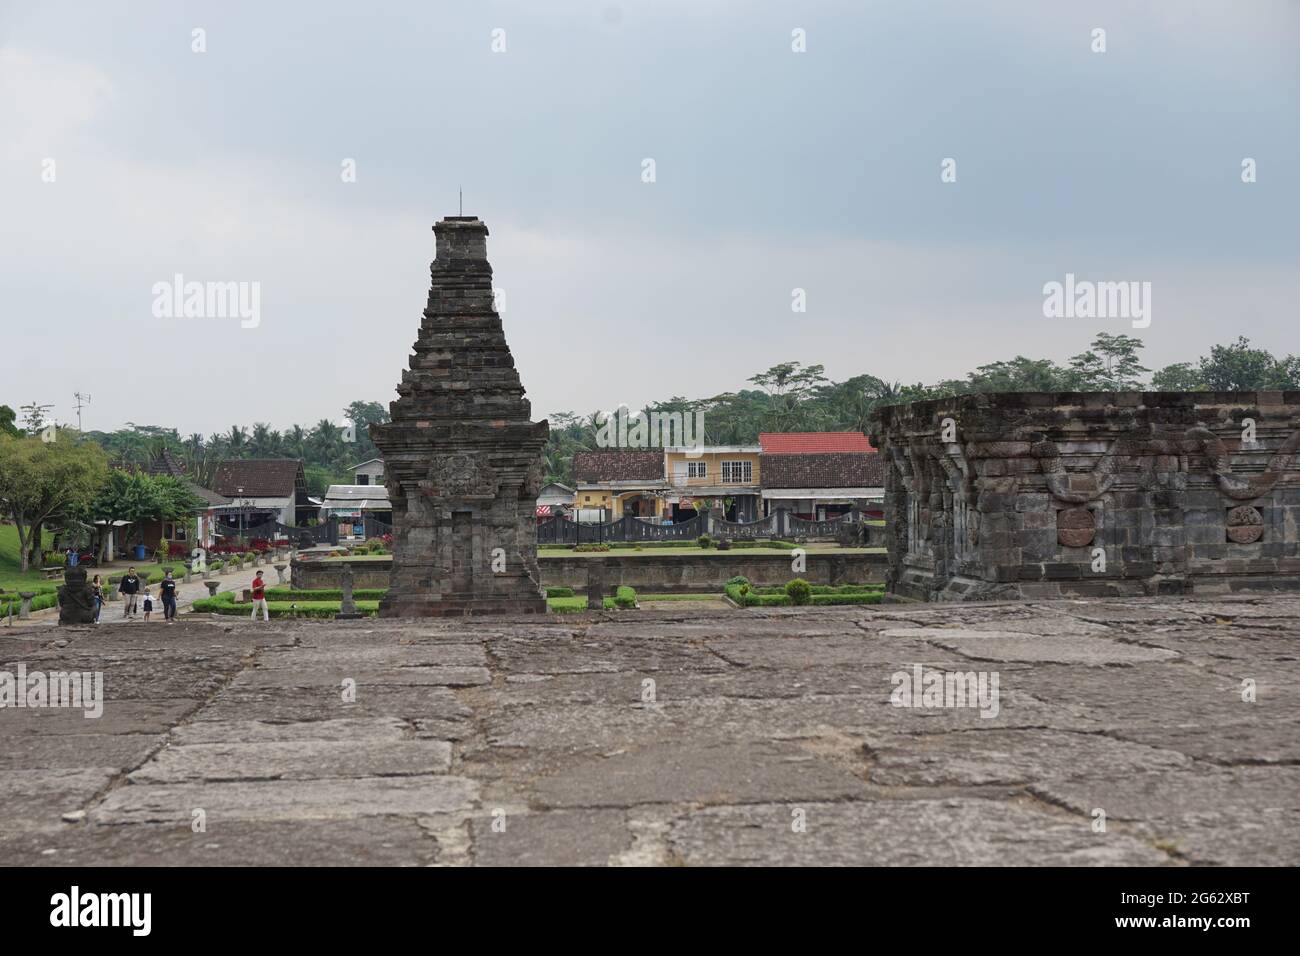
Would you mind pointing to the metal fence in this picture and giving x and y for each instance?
(776, 525)
(327, 532)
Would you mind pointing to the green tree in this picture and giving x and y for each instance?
(41, 481)
(1111, 365)
(1181, 377)
(8, 417)
(1240, 368)
(135, 497)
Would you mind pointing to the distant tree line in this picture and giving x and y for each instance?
(789, 396)
(795, 397)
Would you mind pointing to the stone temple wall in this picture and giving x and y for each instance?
(1037, 495)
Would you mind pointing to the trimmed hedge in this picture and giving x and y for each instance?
(559, 592)
(43, 600)
(624, 597)
(572, 605)
(284, 593)
(224, 603)
(822, 595)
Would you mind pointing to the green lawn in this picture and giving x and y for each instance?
(11, 579)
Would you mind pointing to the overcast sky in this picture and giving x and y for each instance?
(774, 170)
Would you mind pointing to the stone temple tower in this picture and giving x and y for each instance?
(462, 459)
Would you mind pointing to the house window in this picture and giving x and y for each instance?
(697, 469)
(586, 498)
(737, 472)
(363, 479)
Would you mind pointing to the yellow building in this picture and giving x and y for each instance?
(666, 483)
(727, 476)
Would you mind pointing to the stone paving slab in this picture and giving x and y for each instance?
(295, 760)
(684, 736)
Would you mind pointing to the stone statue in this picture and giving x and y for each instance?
(76, 598)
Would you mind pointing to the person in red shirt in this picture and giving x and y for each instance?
(259, 598)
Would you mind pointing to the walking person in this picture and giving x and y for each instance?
(97, 588)
(148, 604)
(130, 589)
(259, 598)
(167, 591)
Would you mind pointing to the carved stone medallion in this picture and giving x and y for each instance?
(1245, 525)
(1075, 527)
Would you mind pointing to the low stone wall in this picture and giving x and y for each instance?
(709, 571)
(323, 575)
(661, 573)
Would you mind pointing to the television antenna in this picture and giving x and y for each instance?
(81, 400)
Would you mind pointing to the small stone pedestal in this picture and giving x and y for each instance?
(596, 584)
(25, 609)
(212, 587)
(279, 572)
(348, 609)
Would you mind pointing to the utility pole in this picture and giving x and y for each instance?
(81, 400)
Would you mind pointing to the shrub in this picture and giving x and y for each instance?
(624, 597)
(592, 547)
(799, 591)
(738, 579)
(704, 541)
(559, 592)
(724, 544)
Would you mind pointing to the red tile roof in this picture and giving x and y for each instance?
(813, 443)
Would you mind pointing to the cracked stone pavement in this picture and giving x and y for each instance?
(543, 742)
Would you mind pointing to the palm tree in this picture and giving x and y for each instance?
(263, 443)
(295, 442)
(327, 442)
(237, 442)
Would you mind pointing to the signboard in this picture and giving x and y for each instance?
(543, 511)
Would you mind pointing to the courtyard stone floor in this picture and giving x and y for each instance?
(675, 736)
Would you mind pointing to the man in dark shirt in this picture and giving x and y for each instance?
(167, 589)
(129, 587)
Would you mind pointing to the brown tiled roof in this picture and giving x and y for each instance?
(259, 477)
(595, 466)
(213, 499)
(832, 470)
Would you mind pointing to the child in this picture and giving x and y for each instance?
(148, 604)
